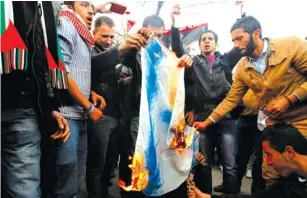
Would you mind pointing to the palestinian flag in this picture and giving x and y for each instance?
(14, 53)
(189, 34)
(57, 71)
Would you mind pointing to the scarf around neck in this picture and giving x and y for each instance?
(210, 59)
(79, 24)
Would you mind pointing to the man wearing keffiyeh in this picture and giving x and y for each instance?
(76, 42)
(32, 78)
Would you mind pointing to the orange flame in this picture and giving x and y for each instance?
(139, 179)
(181, 141)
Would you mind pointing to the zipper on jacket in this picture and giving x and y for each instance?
(212, 83)
(38, 12)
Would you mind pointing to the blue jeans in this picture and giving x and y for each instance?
(20, 154)
(65, 180)
(98, 139)
(223, 136)
(248, 141)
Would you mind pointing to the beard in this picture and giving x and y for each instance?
(250, 47)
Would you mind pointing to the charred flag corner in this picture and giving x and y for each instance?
(165, 146)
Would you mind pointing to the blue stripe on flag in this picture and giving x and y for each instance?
(153, 49)
(166, 116)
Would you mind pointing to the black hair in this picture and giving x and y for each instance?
(281, 135)
(104, 20)
(216, 38)
(249, 24)
(71, 3)
(154, 21)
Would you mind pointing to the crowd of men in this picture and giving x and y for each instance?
(252, 98)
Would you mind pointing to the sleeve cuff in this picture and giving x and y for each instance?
(297, 96)
(215, 116)
(300, 93)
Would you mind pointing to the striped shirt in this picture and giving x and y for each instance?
(77, 60)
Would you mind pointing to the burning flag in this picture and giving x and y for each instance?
(165, 146)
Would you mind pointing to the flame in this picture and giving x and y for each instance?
(139, 179)
(181, 141)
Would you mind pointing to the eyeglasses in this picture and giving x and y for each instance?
(107, 36)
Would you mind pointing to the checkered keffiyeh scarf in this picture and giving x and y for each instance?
(79, 25)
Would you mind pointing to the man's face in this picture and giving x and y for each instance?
(283, 163)
(86, 10)
(207, 43)
(158, 32)
(243, 42)
(104, 36)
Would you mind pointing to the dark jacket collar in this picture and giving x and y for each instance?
(98, 48)
(216, 54)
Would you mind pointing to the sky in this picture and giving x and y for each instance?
(278, 18)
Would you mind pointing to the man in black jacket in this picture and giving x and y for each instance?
(105, 84)
(133, 60)
(207, 83)
(102, 135)
(28, 96)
